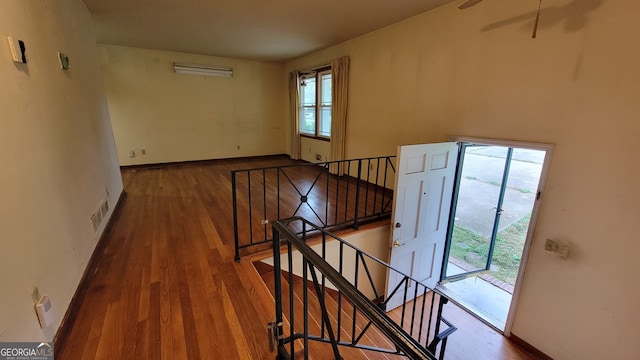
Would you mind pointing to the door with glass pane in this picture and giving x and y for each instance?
(478, 208)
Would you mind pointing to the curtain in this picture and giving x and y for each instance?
(339, 89)
(294, 103)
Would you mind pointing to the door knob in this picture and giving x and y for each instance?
(397, 244)
(398, 225)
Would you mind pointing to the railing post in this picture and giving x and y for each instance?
(235, 216)
(277, 285)
(357, 206)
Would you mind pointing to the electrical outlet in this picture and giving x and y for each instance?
(132, 153)
(557, 247)
(318, 157)
(44, 310)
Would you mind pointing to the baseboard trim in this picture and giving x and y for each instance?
(70, 315)
(530, 348)
(197, 162)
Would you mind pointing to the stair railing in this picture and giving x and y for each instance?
(333, 194)
(338, 272)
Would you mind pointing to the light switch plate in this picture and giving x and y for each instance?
(17, 49)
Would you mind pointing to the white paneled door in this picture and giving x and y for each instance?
(422, 202)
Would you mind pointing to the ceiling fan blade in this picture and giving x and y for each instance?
(535, 26)
(468, 4)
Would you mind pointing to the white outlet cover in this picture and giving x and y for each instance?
(44, 311)
(14, 48)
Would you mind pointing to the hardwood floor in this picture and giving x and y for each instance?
(166, 285)
(311, 192)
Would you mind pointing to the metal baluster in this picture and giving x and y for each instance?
(264, 203)
(323, 310)
(340, 266)
(424, 301)
(324, 257)
(335, 221)
(346, 196)
(355, 281)
(326, 195)
(278, 192)
(277, 277)
(250, 209)
(413, 310)
(357, 204)
(433, 298)
(235, 215)
(291, 298)
(305, 307)
(375, 189)
(404, 300)
(366, 193)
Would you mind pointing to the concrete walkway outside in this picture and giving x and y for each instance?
(480, 187)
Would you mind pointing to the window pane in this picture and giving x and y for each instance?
(325, 121)
(308, 92)
(308, 120)
(326, 89)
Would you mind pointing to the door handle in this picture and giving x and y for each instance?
(397, 244)
(398, 225)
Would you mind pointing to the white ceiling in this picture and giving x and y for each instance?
(266, 30)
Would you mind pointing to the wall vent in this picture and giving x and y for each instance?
(104, 208)
(99, 215)
(96, 220)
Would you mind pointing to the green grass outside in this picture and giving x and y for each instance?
(472, 248)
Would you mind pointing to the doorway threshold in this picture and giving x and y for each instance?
(482, 299)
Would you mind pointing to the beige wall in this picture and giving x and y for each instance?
(373, 241)
(178, 117)
(309, 148)
(58, 156)
(479, 73)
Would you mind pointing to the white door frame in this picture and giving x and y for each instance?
(546, 166)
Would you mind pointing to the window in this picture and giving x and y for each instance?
(315, 104)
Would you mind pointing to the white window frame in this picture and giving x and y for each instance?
(318, 106)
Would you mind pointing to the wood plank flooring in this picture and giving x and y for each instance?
(166, 285)
(313, 193)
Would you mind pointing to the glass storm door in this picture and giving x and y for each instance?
(477, 207)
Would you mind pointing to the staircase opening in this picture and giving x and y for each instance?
(330, 301)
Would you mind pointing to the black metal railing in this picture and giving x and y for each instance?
(333, 194)
(341, 301)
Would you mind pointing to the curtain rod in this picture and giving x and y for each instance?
(314, 67)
